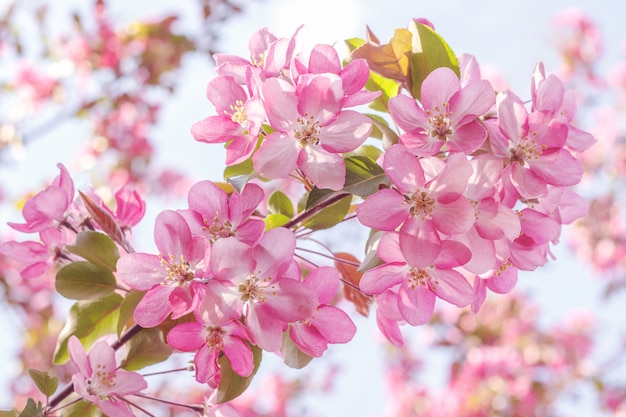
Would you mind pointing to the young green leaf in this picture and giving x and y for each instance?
(32, 409)
(83, 281)
(279, 203)
(231, 384)
(88, 320)
(275, 220)
(127, 310)
(146, 348)
(430, 51)
(46, 383)
(363, 176)
(97, 248)
(329, 216)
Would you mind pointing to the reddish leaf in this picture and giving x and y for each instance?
(351, 275)
(391, 60)
(107, 223)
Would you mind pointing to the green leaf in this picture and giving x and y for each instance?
(231, 384)
(7, 413)
(97, 248)
(388, 88)
(363, 176)
(127, 309)
(381, 130)
(354, 43)
(88, 320)
(279, 203)
(32, 409)
(371, 258)
(292, 355)
(329, 216)
(245, 168)
(83, 280)
(275, 220)
(45, 383)
(430, 51)
(145, 349)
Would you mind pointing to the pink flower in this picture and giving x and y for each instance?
(325, 59)
(264, 284)
(99, 380)
(210, 340)
(419, 286)
(168, 278)
(531, 146)
(311, 130)
(422, 207)
(215, 215)
(448, 116)
(48, 207)
(328, 324)
(39, 257)
(270, 56)
(238, 120)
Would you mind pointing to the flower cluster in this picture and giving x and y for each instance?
(478, 191)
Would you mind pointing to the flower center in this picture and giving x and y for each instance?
(101, 381)
(419, 276)
(258, 60)
(238, 114)
(527, 149)
(308, 130)
(177, 273)
(215, 337)
(219, 229)
(421, 204)
(439, 122)
(253, 288)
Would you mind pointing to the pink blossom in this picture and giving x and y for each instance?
(269, 56)
(209, 340)
(215, 215)
(311, 130)
(532, 147)
(448, 116)
(422, 207)
(419, 286)
(264, 284)
(99, 380)
(38, 257)
(238, 120)
(168, 278)
(328, 324)
(49, 207)
(325, 59)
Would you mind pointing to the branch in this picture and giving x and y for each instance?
(315, 209)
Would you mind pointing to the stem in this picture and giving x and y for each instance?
(197, 408)
(334, 258)
(130, 333)
(312, 211)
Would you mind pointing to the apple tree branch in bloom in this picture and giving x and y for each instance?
(458, 186)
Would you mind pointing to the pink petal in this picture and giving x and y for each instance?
(78, 356)
(172, 235)
(324, 58)
(325, 170)
(154, 307)
(333, 324)
(376, 280)
(416, 304)
(239, 355)
(453, 287)
(346, 132)
(223, 92)
(438, 87)
(403, 169)
(308, 339)
(140, 271)
(187, 337)
(216, 129)
(384, 210)
(419, 242)
(277, 157)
